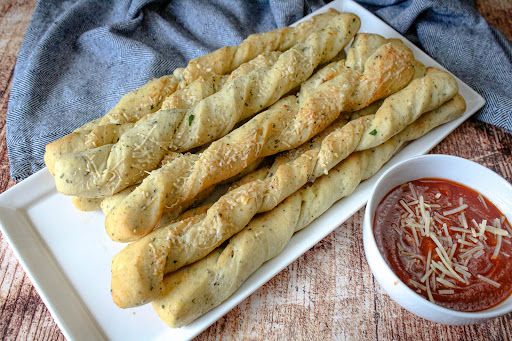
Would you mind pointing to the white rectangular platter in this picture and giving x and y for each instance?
(67, 254)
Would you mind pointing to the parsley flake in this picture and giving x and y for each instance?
(373, 132)
(190, 119)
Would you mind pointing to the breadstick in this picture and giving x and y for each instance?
(363, 46)
(81, 140)
(142, 101)
(101, 134)
(196, 91)
(206, 86)
(196, 289)
(132, 106)
(228, 58)
(149, 98)
(185, 243)
(108, 203)
(419, 71)
(141, 148)
(285, 126)
(400, 109)
(107, 133)
(87, 204)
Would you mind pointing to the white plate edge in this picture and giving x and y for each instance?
(38, 278)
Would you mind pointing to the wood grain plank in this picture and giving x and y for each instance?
(497, 13)
(23, 315)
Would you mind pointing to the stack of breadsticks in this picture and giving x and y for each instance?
(286, 117)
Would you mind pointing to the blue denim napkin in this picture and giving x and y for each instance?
(79, 57)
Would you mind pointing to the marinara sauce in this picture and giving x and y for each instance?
(446, 242)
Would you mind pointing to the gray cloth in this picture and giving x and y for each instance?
(79, 57)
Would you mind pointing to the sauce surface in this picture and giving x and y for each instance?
(446, 242)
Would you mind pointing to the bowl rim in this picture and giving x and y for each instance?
(494, 311)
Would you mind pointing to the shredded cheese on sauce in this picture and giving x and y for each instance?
(490, 281)
(456, 210)
(481, 198)
(441, 277)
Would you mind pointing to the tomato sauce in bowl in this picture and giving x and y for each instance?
(446, 242)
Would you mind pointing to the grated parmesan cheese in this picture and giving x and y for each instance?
(418, 285)
(490, 281)
(426, 217)
(447, 264)
(446, 292)
(431, 299)
(497, 231)
(481, 198)
(456, 210)
(445, 282)
(497, 248)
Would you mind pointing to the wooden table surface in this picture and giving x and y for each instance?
(328, 293)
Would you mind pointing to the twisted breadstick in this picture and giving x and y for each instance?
(149, 98)
(208, 85)
(283, 127)
(142, 101)
(110, 133)
(228, 58)
(141, 148)
(132, 106)
(108, 129)
(419, 71)
(184, 98)
(87, 204)
(107, 132)
(196, 289)
(399, 110)
(184, 244)
(83, 139)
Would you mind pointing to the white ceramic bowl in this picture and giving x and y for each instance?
(463, 171)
